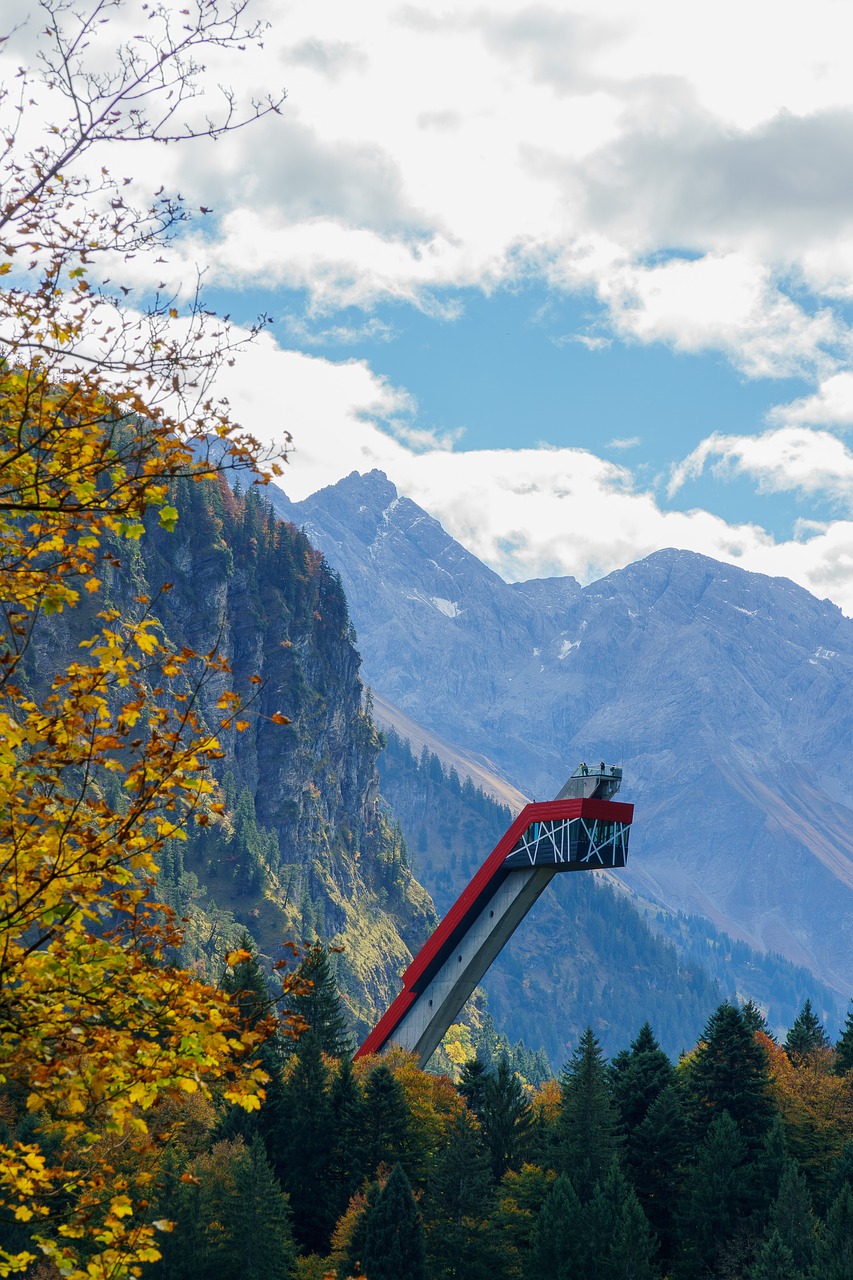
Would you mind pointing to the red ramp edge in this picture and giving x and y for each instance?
(470, 902)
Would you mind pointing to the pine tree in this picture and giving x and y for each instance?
(754, 1019)
(506, 1117)
(302, 1143)
(558, 1237)
(660, 1150)
(729, 1073)
(834, 1250)
(791, 1216)
(472, 1084)
(843, 1170)
(487, 1041)
(716, 1196)
(249, 846)
(386, 1135)
(352, 1263)
(347, 1163)
(637, 1076)
(768, 1167)
(182, 1250)
(246, 981)
(393, 1239)
(619, 1241)
(520, 1199)
(844, 1046)
(460, 1198)
(257, 1220)
(775, 1262)
(806, 1034)
(321, 1005)
(586, 1135)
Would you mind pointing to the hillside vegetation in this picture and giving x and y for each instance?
(304, 847)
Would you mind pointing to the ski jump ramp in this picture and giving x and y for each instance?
(584, 829)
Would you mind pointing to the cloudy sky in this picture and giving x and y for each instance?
(577, 276)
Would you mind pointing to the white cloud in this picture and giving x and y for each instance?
(726, 303)
(787, 459)
(540, 511)
(331, 410)
(537, 512)
(688, 165)
(830, 406)
(550, 127)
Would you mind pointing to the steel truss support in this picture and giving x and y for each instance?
(577, 834)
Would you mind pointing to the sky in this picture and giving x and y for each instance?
(577, 276)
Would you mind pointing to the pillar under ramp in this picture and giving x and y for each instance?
(574, 833)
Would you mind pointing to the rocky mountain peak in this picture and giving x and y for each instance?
(727, 694)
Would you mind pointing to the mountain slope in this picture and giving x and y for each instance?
(726, 694)
(589, 953)
(304, 847)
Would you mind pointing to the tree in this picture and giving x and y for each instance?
(806, 1034)
(506, 1117)
(256, 1220)
(520, 1199)
(318, 1003)
(716, 1198)
(393, 1233)
(98, 409)
(620, 1245)
(638, 1075)
(817, 1108)
(754, 1019)
(472, 1084)
(387, 1125)
(232, 1220)
(791, 1216)
(301, 1146)
(834, 1251)
(246, 984)
(460, 1199)
(844, 1046)
(775, 1262)
(587, 1127)
(661, 1147)
(558, 1237)
(347, 1167)
(728, 1072)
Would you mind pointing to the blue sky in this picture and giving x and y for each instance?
(509, 369)
(579, 281)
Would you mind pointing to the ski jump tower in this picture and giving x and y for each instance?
(582, 830)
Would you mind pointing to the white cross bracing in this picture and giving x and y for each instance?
(561, 841)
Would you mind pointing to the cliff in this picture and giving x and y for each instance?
(304, 848)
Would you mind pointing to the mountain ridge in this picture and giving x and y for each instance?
(727, 695)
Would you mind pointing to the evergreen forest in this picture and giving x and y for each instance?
(735, 1162)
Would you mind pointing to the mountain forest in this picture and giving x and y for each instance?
(736, 1161)
(215, 867)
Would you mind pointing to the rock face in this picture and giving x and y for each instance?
(327, 861)
(727, 696)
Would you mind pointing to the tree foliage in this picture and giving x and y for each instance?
(587, 1128)
(104, 762)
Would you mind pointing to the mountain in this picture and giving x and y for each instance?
(478, 769)
(304, 847)
(727, 696)
(590, 953)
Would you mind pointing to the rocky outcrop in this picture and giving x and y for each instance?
(252, 588)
